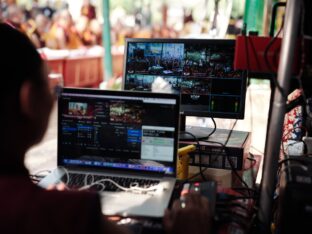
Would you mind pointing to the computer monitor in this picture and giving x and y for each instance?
(200, 70)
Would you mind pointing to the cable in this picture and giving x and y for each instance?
(307, 101)
(229, 216)
(214, 127)
(297, 159)
(267, 48)
(244, 33)
(230, 198)
(238, 189)
(232, 204)
(250, 104)
(205, 137)
(201, 171)
(134, 187)
(224, 148)
(232, 165)
(303, 165)
(252, 159)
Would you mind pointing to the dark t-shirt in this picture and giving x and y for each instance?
(27, 208)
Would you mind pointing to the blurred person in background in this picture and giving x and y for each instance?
(15, 17)
(96, 30)
(63, 34)
(35, 9)
(42, 25)
(89, 31)
(88, 10)
(82, 28)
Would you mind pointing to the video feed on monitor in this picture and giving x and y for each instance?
(125, 113)
(77, 108)
(201, 70)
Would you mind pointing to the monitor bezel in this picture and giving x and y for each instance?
(230, 42)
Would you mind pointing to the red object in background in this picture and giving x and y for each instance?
(250, 50)
(78, 72)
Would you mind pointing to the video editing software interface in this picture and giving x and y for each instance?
(201, 70)
(124, 132)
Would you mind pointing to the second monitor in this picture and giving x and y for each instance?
(200, 70)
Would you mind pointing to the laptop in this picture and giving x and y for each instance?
(123, 144)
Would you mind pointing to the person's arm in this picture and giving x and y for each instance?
(188, 216)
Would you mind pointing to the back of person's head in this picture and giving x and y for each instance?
(42, 23)
(24, 93)
(19, 61)
(65, 19)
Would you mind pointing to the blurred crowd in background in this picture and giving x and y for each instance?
(51, 24)
(52, 27)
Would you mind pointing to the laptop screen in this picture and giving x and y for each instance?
(118, 130)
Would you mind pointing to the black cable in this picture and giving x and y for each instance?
(195, 175)
(225, 216)
(214, 127)
(273, 16)
(230, 198)
(249, 213)
(232, 204)
(224, 148)
(297, 159)
(244, 33)
(230, 162)
(267, 48)
(201, 171)
(253, 179)
(302, 62)
(244, 188)
(205, 137)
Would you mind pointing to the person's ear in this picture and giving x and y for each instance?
(27, 99)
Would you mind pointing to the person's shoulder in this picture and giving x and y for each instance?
(79, 212)
(52, 211)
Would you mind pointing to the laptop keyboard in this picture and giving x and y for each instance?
(77, 181)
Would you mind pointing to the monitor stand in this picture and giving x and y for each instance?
(199, 132)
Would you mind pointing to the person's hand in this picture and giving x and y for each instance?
(189, 215)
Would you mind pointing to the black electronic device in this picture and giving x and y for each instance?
(206, 188)
(215, 155)
(295, 202)
(200, 70)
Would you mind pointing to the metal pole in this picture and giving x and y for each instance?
(274, 136)
(106, 37)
